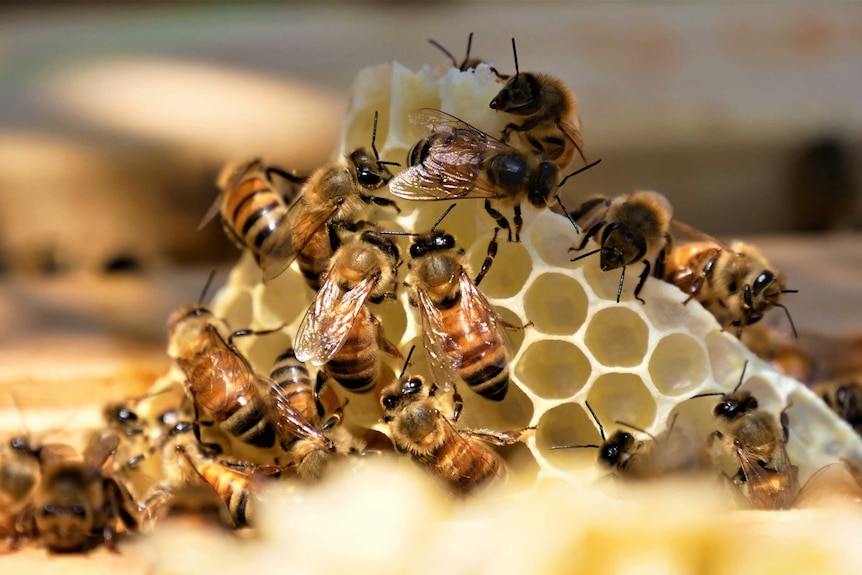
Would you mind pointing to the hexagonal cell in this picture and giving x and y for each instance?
(553, 368)
(510, 270)
(238, 311)
(678, 364)
(725, 356)
(567, 424)
(551, 235)
(283, 300)
(622, 397)
(663, 312)
(262, 350)
(556, 304)
(617, 337)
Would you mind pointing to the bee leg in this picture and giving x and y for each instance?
(642, 281)
(196, 428)
(497, 437)
(512, 327)
(248, 332)
(501, 220)
(458, 404)
(590, 233)
(519, 221)
(382, 202)
(785, 423)
(489, 257)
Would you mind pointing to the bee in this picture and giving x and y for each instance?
(76, 502)
(292, 377)
(310, 462)
(733, 282)
(186, 461)
(222, 382)
(467, 63)
(254, 208)
(462, 334)
(459, 458)
(630, 228)
(757, 441)
(551, 125)
(458, 161)
(19, 475)
(844, 397)
(338, 330)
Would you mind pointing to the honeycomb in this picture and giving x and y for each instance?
(634, 363)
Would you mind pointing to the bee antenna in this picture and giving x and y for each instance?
(469, 45)
(596, 418)
(789, 291)
(374, 138)
(206, 287)
(447, 52)
(578, 171)
(582, 256)
(710, 394)
(573, 446)
(382, 163)
(515, 52)
(630, 426)
(407, 361)
(440, 219)
(741, 376)
(672, 423)
(622, 279)
(790, 319)
(569, 215)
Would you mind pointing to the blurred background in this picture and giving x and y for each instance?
(114, 120)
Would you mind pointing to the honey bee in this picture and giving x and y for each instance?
(844, 397)
(310, 461)
(461, 333)
(458, 161)
(766, 476)
(19, 475)
(551, 125)
(76, 502)
(735, 283)
(630, 228)
(221, 382)
(338, 330)
(186, 461)
(254, 209)
(292, 377)
(459, 458)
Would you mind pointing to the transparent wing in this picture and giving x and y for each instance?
(455, 163)
(328, 321)
(223, 373)
(482, 318)
(288, 421)
(573, 133)
(768, 488)
(301, 222)
(441, 352)
(100, 450)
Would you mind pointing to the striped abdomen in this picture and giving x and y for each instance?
(249, 423)
(356, 366)
(254, 211)
(293, 378)
(313, 259)
(484, 362)
(232, 486)
(463, 464)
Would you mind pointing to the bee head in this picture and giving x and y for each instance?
(520, 96)
(543, 185)
(735, 405)
(406, 390)
(438, 240)
(382, 243)
(621, 246)
(612, 450)
(370, 172)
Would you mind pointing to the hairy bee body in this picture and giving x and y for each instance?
(462, 334)
(19, 476)
(338, 330)
(219, 378)
(460, 459)
(295, 382)
(735, 283)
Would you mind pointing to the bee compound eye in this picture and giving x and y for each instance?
(389, 401)
(78, 510)
(762, 281)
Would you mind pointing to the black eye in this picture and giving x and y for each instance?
(126, 415)
(79, 511)
(389, 401)
(411, 386)
(763, 280)
(49, 510)
(369, 179)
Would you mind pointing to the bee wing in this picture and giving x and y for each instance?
(454, 165)
(287, 419)
(482, 317)
(227, 369)
(769, 489)
(443, 364)
(98, 452)
(328, 321)
(213, 210)
(301, 222)
(573, 133)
